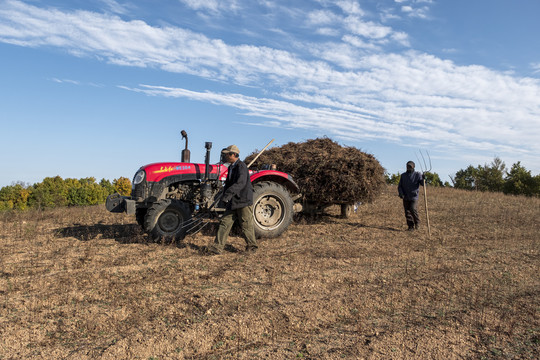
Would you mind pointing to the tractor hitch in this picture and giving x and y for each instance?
(117, 203)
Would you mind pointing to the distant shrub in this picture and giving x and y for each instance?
(122, 186)
(5, 205)
(433, 179)
(55, 191)
(518, 181)
(85, 192)
(107, 186)
(392, 179)
(466, 178)
(49, 193)
(483, 178)
(14, 197)
(491, 177)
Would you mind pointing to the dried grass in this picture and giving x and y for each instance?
(326, 172)
(81, 283)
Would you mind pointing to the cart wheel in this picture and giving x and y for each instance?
(346, 210)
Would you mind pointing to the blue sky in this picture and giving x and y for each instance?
(99, 88)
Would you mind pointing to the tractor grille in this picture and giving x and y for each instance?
(139, 191)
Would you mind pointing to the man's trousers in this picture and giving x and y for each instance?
(245, 219)
(411, 213)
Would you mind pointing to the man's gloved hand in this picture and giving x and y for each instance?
(401, 196)
(226, 198)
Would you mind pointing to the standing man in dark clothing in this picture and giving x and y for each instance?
(238, 199)
(408, 188)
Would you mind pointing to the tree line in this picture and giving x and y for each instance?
(55, 191)
(495, 177)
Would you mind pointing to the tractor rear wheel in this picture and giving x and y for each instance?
(166, 219)
(272, 209)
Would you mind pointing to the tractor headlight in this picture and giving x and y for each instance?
(139, 177)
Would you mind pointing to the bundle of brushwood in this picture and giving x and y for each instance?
(326, 172)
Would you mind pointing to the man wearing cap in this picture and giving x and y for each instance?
(238, 200)
(408, 189)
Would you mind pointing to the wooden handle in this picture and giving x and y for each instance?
(427, 212)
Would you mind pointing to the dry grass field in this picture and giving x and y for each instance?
(80, 283)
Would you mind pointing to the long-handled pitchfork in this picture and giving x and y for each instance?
(425, 169)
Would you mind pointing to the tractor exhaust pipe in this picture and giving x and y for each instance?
(206, 188)
(185, 153)
(207, 146)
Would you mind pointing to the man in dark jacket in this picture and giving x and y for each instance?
(408, 189)
(238, 200)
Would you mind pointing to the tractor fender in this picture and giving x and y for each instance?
(278, 177)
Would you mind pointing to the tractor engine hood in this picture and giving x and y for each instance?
(167, 171)
(158, 171)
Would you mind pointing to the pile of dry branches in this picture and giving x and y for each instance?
(327, 172)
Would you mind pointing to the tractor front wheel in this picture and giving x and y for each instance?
(272, 209)
(166, 219)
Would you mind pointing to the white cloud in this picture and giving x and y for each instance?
(341, 54)
(367, 29)
(350, 7)
(388, 15)
(115, 7)
(66, 81)
(327, 31)
(401, 38)
(450, 50)
(202, 4)
(282, 112)
(329, 23)
(420, 12)
(212, 6)
(322, 17)
(373, 120)
(409, 97)
(75, 82)
(359, 43)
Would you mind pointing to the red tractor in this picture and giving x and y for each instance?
(171, 199)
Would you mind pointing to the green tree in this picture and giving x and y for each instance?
(484, 178)
(491, 177)
(536, 186)
(107, 187)
(519, 181)
(84, 191)
(4, 205)
(14, 197)
(433, 179)
(392, 178)
(95, 194)
(55, 191)
(74, 194)
(466, 178)
(51, 192)
(122, 186)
